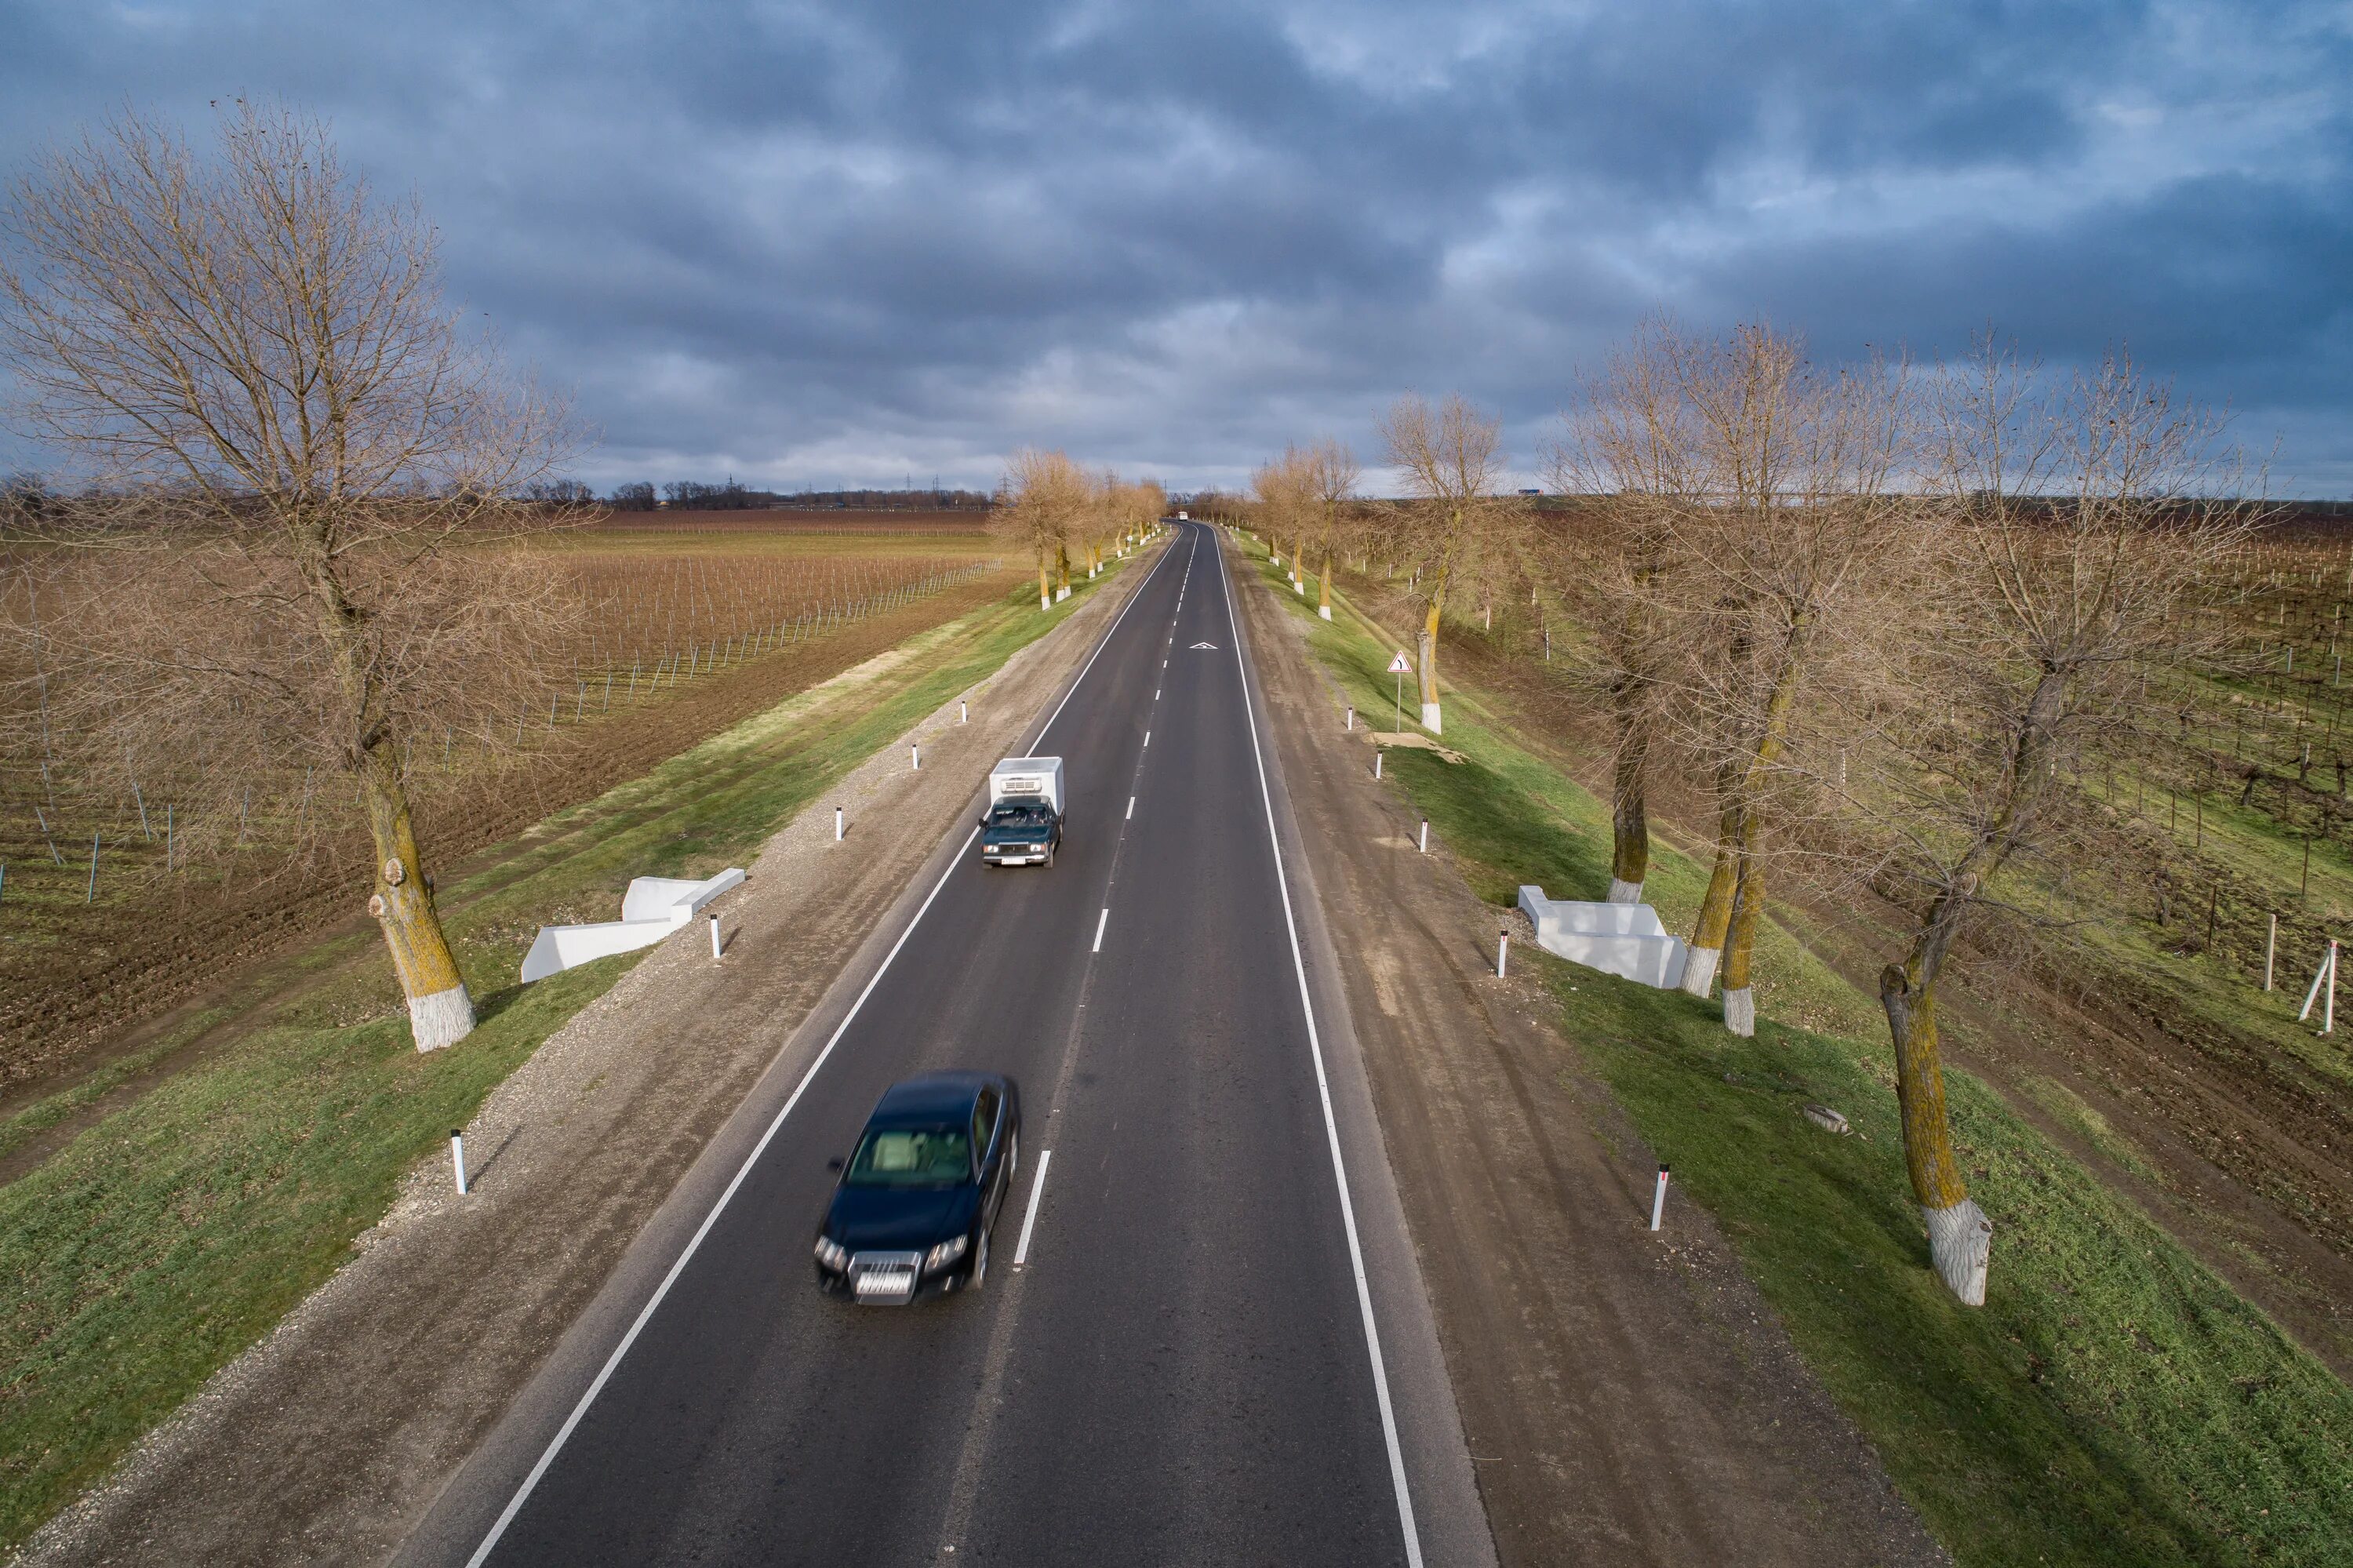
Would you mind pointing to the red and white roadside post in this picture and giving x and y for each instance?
(1658, 1199)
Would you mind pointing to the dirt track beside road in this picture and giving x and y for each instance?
(1628, 1398)
(327, 1441)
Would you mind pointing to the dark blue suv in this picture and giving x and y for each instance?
(918, 1198)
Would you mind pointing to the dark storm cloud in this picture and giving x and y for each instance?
(819, 245)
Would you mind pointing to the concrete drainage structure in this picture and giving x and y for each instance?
(653, 908)
(1623, 939)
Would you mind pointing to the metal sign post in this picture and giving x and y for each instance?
(1398, 667)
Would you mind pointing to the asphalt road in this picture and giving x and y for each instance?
(1180, 1371)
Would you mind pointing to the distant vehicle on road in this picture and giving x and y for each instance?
(918, 1199)
(1023, 825)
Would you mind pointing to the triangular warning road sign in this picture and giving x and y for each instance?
(1397, 666)
(1210, 646)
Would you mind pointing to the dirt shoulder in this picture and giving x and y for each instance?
(1627, 1398)
(327, 1441)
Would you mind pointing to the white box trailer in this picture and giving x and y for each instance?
(1027, 781)
(1023, 824)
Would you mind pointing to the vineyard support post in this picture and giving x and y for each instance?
(2271, 948)
(91, 895)
(2312, 992)
(2329, 1007)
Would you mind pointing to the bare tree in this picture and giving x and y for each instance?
(1136, 508)
(1452, 460)
(303, 458)
(1284, 487)
(1043, 500)
(1631, 441)
(1791, 501)
(2083, 523)
(1332, 474)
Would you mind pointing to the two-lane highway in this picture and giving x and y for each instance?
(1186, 1367)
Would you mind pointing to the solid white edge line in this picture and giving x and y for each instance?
(1331, 1126)
(645, 1314)
(1029, 1220)
(1101, 921)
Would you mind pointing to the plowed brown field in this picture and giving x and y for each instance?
(788, 599)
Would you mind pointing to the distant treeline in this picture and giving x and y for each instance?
(693, 495)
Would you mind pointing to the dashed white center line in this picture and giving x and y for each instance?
(1029, 1220)
(1156, 693)
(1147, 738)
(1131, 810)
(1101, 921)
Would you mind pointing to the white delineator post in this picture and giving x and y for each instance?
(458, 1156)
(1351, 724)
(915, 758)
(1658, 1199)
(1502, 950)
(1425, 835)
(1377, 762)
(714, 938)
(964, 712)
(836, 824)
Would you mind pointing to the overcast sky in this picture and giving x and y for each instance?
(842, 245)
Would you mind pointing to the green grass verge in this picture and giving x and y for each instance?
(2114, 1402)
(174, 1233)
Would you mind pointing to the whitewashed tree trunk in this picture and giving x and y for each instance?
(1624, 892)
(442, 1019)
(1429, 719)
(1960, 1245)
(1699, 970)
(1740, 1011)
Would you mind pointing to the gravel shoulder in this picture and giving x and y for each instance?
(1627, 1398)
(329, 1440)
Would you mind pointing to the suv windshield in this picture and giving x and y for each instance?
(1017, 817)
(912, 1156)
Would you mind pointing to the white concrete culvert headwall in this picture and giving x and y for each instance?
(1623, 939)
(652, 908)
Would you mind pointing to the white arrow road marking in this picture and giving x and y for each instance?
(1210, 646)
(1029, 1220)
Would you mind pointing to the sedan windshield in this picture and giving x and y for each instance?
(912, 1156)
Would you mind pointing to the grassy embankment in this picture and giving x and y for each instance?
(2113, 1402)
(162, 1241)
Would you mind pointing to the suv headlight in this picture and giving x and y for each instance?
(946, 1252)
(832, 1254)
